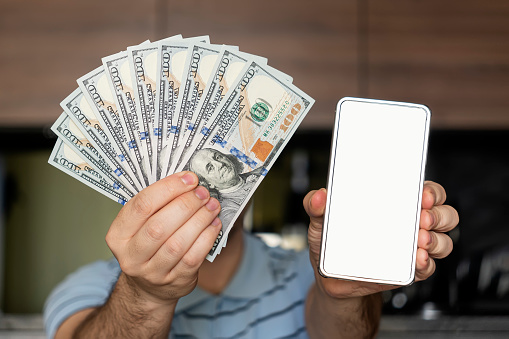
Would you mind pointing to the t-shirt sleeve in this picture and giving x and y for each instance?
(90, 286)
(306, 272)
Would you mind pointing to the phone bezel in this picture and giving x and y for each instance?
(411, 273)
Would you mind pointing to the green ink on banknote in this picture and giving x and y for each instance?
(259, 111)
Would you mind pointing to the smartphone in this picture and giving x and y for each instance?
(374, 191)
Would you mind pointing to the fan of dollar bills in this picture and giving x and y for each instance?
(178, 104)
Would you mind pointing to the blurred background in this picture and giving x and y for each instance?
(452, 56)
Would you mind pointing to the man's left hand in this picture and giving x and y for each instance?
(433, 243)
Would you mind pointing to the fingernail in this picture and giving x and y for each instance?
(212, 205)
(201, 192)
(216, 222)
(431, 218)
(188, 179)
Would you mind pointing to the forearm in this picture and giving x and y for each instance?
(328, 317)
(126, 315)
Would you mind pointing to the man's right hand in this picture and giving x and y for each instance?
(161, 237)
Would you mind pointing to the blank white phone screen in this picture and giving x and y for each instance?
(374, 191)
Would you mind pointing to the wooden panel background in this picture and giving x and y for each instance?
(314, 43)
(46, 45)
(452, 56)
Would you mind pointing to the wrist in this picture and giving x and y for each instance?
(335, 296)
(147, 300)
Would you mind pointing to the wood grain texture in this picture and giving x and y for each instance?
(47, 45)
(314, 42)
(450, 55)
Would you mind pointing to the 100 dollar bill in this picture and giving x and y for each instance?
(120, 82)
(143, 62)
(66, 160)
(171, 57)
(72, 136)
(198, 68)
(97, 92)
(226, 70)
(170, 70)
(143, 67)
(80, 112)
(257, 118)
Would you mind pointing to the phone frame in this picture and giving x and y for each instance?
(326, 225)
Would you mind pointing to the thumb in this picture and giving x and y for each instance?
(314, 204)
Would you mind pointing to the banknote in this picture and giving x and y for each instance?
(97, 92)
(228, 66)
(119, 78)
(66, 160)
(170, 67)
(171, 56)
(80, 112)
(179, 104)
(197, 70)
(143, 67)
(257, 118)
(143, 62)
(72, 136)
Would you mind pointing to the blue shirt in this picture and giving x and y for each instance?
(265, 299)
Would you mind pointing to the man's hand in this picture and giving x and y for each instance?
(436, 218)
(161, 237)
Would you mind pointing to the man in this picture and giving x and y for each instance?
(222, 175)
(161, 238)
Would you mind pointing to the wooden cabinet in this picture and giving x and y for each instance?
(46, 45)
(452, 55)
(314, 42)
